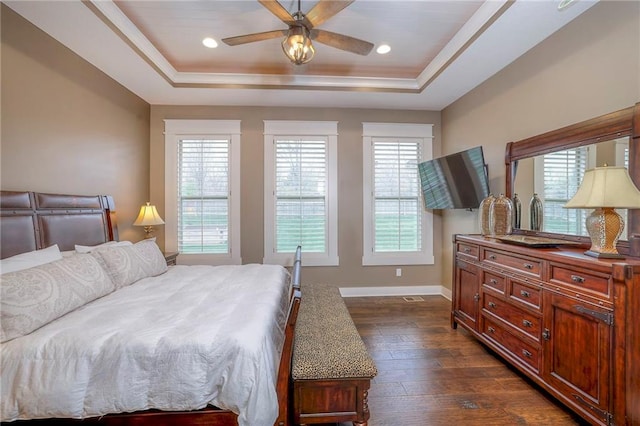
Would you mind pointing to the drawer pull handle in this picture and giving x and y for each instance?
(492, 257)
(476, 297)
(467, 250)
(528, 266)
(577, 279)
(493, 281)
(546, 334)
(527, 353)
(491, 330)
(524, 293)
(527, 323)
(492, 305)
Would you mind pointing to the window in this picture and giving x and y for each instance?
(622, 152)
(202, 190)
(397, 228)
(301, 191)
(558, 177)
(622, 159)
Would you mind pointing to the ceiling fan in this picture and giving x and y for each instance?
(302, 29)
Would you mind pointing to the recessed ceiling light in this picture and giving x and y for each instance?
(565, 4)
(383, 48)
(210, 43)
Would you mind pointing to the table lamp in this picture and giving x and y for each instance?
(148, 217)
(604, 189)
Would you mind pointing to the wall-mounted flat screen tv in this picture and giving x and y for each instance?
(455, 181)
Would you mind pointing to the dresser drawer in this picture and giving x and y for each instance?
(525, 265)
(521, 319)
(527, 294)
(578, 278)
(528, 354)
(468, 250)
(494, 281)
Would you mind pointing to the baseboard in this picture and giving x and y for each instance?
(408, 290)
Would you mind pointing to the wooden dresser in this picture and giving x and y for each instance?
(568, 321)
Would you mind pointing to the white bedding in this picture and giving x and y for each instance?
(193, 336)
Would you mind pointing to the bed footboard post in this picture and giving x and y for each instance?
(297, 265)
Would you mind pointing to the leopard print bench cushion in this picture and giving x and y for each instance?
(327, 344)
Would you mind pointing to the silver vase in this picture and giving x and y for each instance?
(536, 212)
(517, 212)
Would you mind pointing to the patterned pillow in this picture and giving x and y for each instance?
(128, 264)
(33, 297)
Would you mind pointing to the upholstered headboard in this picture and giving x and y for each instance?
(34, 220)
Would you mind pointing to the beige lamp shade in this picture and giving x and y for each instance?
(606, 187)
(148, 216)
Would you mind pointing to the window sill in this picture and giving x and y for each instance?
(398, 260)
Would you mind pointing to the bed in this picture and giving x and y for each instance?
(150, 344)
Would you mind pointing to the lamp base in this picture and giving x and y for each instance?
(605, 227)
(148, 232)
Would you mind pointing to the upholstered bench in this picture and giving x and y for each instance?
(331, 368)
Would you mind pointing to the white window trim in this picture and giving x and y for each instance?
(328, 129)
(397, 131)
(174, 130)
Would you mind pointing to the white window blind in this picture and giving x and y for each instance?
(396, 193)
(301, 191)
(397, 230)
(203, 195)
(301, 194)
(562, 175)
(202, 191)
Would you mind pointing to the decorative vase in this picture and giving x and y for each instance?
(517, 212)
(536, 212)
(501, 216)
(485, 205)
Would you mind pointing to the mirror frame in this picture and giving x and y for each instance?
(625, 122)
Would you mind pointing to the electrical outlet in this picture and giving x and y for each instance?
(398, 272)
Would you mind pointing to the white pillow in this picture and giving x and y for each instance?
(30, 259)
(128, 264)
(36, 296)
(89, 249)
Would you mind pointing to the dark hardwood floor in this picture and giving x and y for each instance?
(430, 374)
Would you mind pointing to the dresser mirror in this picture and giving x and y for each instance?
(560, 157)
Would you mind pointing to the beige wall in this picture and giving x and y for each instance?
(588, 68)
(67, 127)
(350, 273)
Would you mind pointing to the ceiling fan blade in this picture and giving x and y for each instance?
(324, 10)
(342, 42)
(250, 38)
(277, 9)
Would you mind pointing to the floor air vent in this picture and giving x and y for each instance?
(413, 299)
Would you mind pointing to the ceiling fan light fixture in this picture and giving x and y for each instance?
(297, 45)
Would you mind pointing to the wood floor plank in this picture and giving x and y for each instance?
(430, 374)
